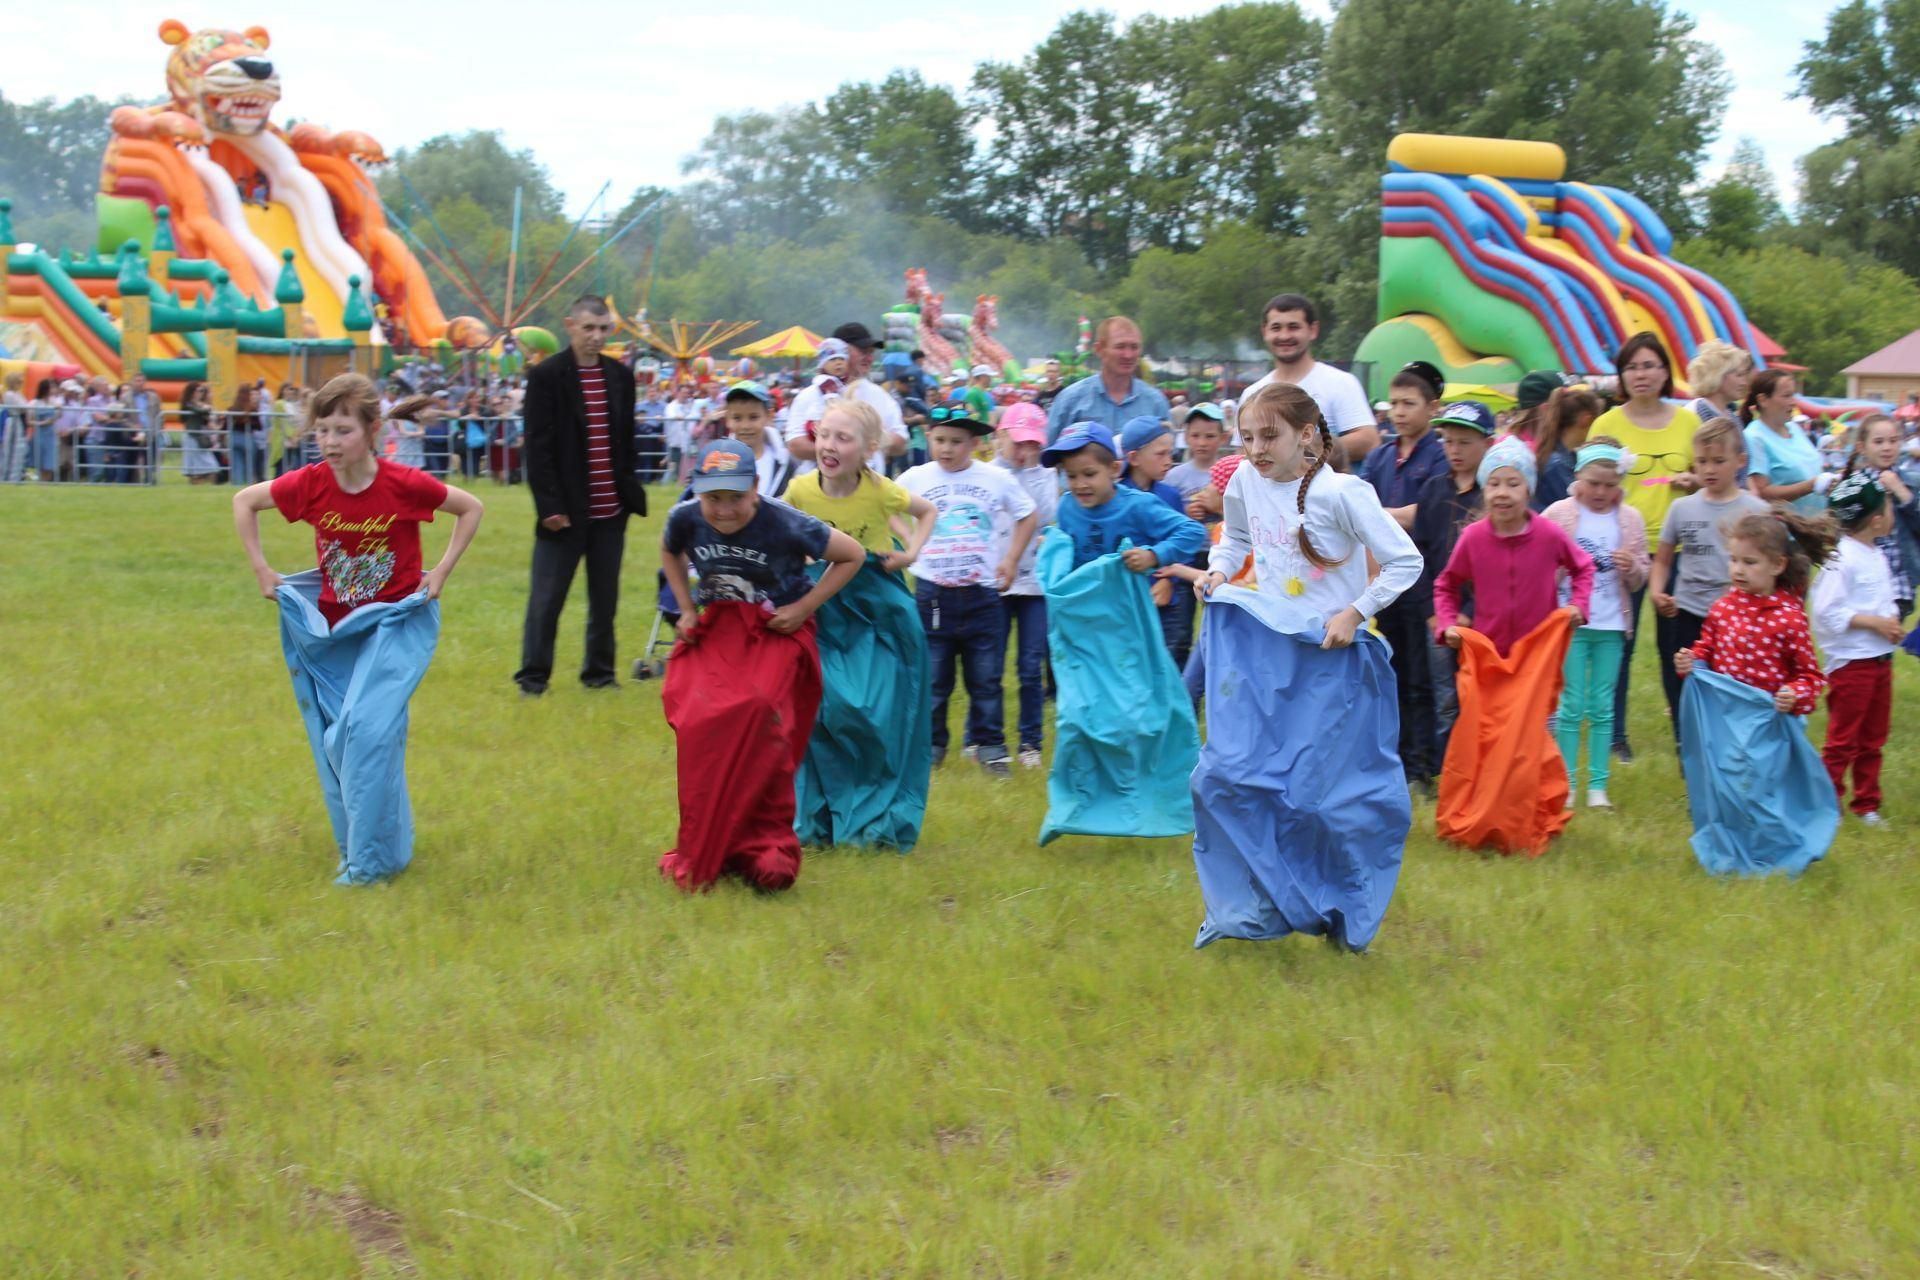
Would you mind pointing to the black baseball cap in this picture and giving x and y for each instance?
(855, 334)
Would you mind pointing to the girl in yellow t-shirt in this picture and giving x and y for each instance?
(1659, 436)
(855, 499)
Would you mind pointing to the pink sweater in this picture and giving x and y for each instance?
(1514, 580)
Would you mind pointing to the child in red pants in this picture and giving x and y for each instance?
(1857, 622)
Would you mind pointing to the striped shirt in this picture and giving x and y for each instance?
(603, 500)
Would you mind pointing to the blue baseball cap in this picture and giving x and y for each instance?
(1074, 439)
(1467, 413)
(1141, 432)
(724, 465)
(751, 390)
(1206, 409)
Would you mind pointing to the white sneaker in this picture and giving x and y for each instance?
(1029, 757)
(970, 752)
(1597, 799)
(1872, 819)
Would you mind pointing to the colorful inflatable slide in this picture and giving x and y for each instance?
(1492, 264)
(210, 148)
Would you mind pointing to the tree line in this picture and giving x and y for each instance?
(1179, 169)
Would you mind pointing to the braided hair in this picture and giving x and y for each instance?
(1296, 409)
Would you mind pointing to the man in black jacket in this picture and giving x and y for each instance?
(579, 460)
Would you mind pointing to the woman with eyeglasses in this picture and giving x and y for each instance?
(1783, 462)
(1659, 436)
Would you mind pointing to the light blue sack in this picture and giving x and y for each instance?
(864, 780)
(1300, 803)
(1760, 797)
(352, 683)
(1124, 738)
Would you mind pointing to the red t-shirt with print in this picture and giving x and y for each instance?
(368, 543)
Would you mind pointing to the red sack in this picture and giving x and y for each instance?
(741, 700)
(1503, 785)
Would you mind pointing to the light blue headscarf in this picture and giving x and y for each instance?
(1509, 452)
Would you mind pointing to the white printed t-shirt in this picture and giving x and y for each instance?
(977, 509)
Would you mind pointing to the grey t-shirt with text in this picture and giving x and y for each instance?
(1693, 529)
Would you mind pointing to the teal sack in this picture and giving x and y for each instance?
(353, 683)
(1125, 742)
(864, 779)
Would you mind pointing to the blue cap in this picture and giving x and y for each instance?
(1467, 413)
(724, 465)
(752, 390)
(1141, 432)
(1074, 439)
(1206, 409)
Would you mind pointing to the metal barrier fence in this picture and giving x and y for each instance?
(107, 444)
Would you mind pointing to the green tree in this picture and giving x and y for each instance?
(1742, 204)
(50, 164)
(1622, 85)
(1863, 191)
(1206, 302)
(1828, 310)
(477, 166)
(906, 142)
(1861, 73)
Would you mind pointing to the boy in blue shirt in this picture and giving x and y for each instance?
(1103, 513)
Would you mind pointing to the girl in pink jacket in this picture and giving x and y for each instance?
(1614, 536)
(1511, 560)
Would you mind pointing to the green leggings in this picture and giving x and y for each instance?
(1593, 668)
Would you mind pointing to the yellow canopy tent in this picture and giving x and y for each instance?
(795, 343)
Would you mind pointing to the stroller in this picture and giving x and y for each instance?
(652, 663)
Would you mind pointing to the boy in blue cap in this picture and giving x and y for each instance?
(1103, 513)
(744, 685)
(1147, 444)
(749, 548)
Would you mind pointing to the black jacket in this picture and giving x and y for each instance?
(556, 440)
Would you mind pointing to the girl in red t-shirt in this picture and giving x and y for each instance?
(366, 511)
(354, 668)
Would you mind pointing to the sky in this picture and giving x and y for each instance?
(606, 91)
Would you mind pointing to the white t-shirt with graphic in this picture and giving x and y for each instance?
(977, 509)
(1598, 534)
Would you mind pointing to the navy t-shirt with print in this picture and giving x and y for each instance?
(764, 562)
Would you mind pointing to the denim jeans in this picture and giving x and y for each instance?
(1029, 615)
(964, 627)
(1404, 627)
(1444, 665)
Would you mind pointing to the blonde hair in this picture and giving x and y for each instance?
(1716, 429)
(355, 394)
(1293, 406)
(1712, 363)
(865, 417)
(15, 381)
(1608, 463)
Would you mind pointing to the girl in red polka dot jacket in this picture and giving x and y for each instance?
(1757, 633)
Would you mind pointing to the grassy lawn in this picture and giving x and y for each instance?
(531, 1057)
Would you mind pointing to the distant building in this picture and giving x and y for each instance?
(1892, 373)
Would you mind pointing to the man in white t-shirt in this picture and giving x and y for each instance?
(804, 413)
(1289, 327)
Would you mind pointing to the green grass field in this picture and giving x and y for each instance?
(531, 1057)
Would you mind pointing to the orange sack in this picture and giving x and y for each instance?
(1503, 785)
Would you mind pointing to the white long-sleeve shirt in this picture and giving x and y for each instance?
(1856, 580)
(1344, 522)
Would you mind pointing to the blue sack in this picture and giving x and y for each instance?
(1760, 797)
(352, 683)
(864, 779)
(1124, 737)
(1300, 803)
